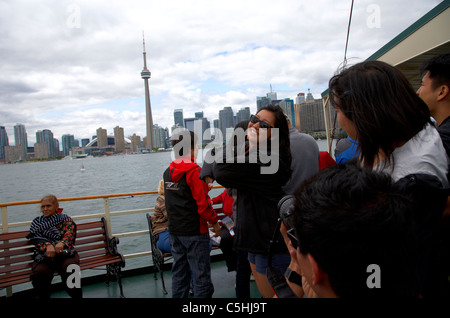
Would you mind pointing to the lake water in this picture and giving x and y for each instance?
(102, 175)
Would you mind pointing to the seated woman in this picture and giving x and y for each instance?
(160, 221)
(53, 233)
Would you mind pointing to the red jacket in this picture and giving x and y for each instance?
(188, 204)
(227, 202)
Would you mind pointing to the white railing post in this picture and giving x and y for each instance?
(107, 215)
(4, 219)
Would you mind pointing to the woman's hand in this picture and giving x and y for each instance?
(209, 180)
(59, 247)
(50, 251)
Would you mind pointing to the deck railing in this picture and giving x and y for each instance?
(107, 214)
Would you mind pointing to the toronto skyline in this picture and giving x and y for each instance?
(72, 67)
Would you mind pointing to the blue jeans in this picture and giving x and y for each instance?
(163, 242)
(191, 254)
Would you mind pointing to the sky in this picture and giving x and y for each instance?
(74, 66)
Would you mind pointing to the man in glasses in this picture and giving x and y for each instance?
(352, 235)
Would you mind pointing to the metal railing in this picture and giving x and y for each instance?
(107, 214)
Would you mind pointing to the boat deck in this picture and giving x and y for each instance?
(140, 283)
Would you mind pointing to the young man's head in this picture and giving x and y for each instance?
(435, 86)
(355, 234)
(184, 143)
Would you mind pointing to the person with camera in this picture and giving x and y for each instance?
(53, 234)
(258, 190)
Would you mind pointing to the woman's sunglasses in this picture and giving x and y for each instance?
(262, 124)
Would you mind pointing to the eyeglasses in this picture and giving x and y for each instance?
(254, 119)
(292, 237)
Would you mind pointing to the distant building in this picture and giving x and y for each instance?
(15, 153)
(68, 142)
(46, 136)
(41, 150)
(287, 105)
(20, 138)
(226, 120)
(243, 114)
(102, 138)
(4, 141)
(178, 118)
(159, 134)
(265, 100)
(135, 143)
(119, 139)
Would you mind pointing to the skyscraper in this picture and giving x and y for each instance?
(226, 120)
(178, 117)
(102, 138)
(145, 74)
(68, 142)
(20, 137)
(46, 137)
(4, 141)
(243, 114)
(119, 139)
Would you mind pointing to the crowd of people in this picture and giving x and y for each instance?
(373, 223)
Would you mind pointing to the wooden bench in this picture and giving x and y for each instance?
(93, 244)
(158, 257)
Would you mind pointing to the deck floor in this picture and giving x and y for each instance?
(145, 286)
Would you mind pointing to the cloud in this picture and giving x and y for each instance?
(73, 66)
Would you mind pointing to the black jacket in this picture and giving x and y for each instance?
(257, 197)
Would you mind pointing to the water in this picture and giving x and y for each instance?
(102, 175)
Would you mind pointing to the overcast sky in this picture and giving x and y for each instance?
(74, 66)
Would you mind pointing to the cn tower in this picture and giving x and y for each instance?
(145, 74)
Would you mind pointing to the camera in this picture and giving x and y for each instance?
(285, 207)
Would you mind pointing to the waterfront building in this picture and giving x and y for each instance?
(178, 118)
(4, 141)
(135, 143)
(145, 74)
(243, 114)
(84, 142)
(46, 136)
(300, 98)
(68, 142)
(41, 150)
(119, 139)
(265, 100)
(102, 138)
(15, 153)
(159, 134)
(287, 105)
(189, 123)
(226, 120)
(20, 138)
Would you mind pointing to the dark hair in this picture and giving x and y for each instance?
(382, 105)
(439, 68)
(348, 218)
(188, 139)
(282, 125)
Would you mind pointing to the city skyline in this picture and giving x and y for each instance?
(73, 67)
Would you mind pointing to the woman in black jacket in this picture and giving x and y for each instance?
(258, 174)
